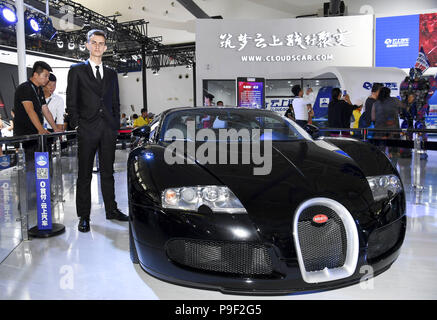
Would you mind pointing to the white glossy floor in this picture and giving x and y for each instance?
(96, 265)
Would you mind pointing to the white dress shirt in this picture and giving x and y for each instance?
(300, 108)
(93, 67)
(57, 109)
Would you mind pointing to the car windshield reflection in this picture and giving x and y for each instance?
(239, 125)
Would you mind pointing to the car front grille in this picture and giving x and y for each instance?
(322, 245)
(239, 258)
(383, 240)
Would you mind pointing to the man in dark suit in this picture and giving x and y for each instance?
(93, 107)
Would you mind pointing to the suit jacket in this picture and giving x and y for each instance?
(87, 101)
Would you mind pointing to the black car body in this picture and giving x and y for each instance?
(324, 216)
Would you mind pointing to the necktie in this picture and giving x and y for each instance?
(98, 75)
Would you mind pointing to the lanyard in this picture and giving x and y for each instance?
(37, 96)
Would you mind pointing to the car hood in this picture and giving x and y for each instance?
(300, 170)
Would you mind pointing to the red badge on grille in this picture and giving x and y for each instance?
(320, 218)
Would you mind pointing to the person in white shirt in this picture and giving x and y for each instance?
(55, 103)
(302, 107)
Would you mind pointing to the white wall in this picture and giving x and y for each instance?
(164, 91)
(221, 53)
(60, 67)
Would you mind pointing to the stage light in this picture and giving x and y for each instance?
(82, 47)
(60, 44)
(7, 17)
(110, 27)
(32, 24)
(71, 45)
(47, 29)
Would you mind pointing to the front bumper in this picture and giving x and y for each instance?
(154, 230)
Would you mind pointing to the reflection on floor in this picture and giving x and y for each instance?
(96, 265)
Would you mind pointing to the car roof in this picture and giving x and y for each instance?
(213, 109)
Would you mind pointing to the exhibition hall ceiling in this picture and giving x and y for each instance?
(169, 19)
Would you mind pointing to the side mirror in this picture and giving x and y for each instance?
(141, 132)
(313, 131)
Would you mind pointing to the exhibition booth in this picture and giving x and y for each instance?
(214, 225)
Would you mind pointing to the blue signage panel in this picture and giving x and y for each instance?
(320, 106)
(5, 161)
(397, 41)
(44, 210)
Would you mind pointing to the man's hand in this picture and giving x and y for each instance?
(43, 131)
(347, 99)
(59, 128)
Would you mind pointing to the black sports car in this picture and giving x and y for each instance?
(246, 201)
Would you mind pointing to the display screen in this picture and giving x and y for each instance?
(251, 93)
(398, 40)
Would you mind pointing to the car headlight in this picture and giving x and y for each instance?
(384, 186)
(217, 198)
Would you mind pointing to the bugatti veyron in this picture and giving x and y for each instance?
(246, 201)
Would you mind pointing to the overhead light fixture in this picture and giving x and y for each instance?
(32, 23)
(8, 16)
(110, 27)
(71, 45)
(47, 29)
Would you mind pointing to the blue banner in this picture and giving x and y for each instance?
(5, 161)
(44, 210)
(397, 41)
(320, 106)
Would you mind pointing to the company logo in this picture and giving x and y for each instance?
(390, 85)
(320, 218)
(324, 102)
(41, 161)
(397, 43)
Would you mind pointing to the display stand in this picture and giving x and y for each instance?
(45, 227)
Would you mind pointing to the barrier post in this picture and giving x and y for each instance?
(45, 227)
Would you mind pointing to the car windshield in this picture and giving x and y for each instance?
(229, 124)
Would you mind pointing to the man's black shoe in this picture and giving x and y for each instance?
(84, 225)
(117, 215)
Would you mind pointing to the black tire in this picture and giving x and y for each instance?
(132, 249)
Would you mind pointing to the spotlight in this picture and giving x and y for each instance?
(110, 27)
(47, 29)
(7, 16)
(32, 24)
(124, 60)
(60, 44)
(71, 45)
(82, 47)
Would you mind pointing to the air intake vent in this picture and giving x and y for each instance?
(383, 240)
(241, 258)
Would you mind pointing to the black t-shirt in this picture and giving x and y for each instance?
(339, 114)
(27, 91)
